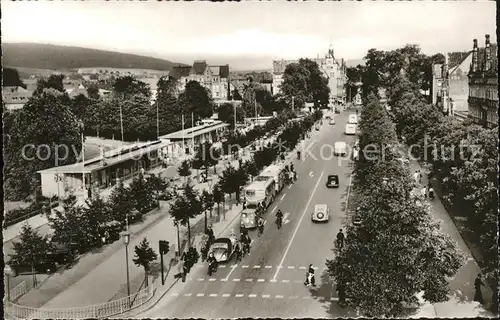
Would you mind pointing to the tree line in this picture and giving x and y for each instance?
(395, 250)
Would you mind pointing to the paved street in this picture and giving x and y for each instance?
(269, 282)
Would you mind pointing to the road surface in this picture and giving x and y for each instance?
(270, 281)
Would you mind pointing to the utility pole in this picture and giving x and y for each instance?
(157, 123)
(121, 121)
(293, 103)
(183, 134)
(192, 126)
(234, 106)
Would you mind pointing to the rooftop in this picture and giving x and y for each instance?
(195, 131)
(180, 72)
(111, 157)
(199, 67)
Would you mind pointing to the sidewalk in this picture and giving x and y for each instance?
(76, 286)
(220, 229)
(462, 285)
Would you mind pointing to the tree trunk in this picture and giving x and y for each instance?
(206, 225)
(211, 212)
(189, 233)
(178, 240)
(146, 277)
(218, 209)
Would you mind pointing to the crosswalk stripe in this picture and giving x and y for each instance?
(188, 294)
(200, 295)
(213, 294)
(175, 294)
(223, 280)
(291, 267)
(302, 267)
(266, 296)
(212, 279)
(238, 295)
(236, 280)
(268, 267)
(278, 296)
(334, 299)
(261, 280)
(306, 297)
(256, 267)
(244, 267)
(252, 295)
(273, 280)
(222, 266)
(249, 280)
(200, 279)
(293, 297)
(285, 281)
(225, 295)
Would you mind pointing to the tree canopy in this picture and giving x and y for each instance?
(196, 98)
(44, 134)
(128, 86)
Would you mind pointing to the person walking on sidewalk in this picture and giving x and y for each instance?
(211, 236)
(478, 295)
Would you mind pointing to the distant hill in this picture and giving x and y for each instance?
(55, 57)
(354, 62)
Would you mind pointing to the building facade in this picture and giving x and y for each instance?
(333, 69)
(483, 85)
(216, 79)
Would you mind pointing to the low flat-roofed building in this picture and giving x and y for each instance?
(191, 138)
(103, 171)
(259, 121)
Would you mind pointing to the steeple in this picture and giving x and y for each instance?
(487, 54)
(474, 57)
(330, 52)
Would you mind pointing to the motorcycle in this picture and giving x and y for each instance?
(245, 249)
(279, 222)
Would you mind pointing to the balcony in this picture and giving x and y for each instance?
(483, 102)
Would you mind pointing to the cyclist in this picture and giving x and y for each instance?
(279, 218)
(260, 225)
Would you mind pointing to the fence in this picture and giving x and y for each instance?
(104, 310)
(18, 291)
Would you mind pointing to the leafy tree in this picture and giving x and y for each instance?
(54, 81)
(157, 184)
(44, 121)
(317, 84)
(31, 249)
(374, 73)
(251, 169)
(70, 227)
(10, 77)
(142, 194)
(236, 95)
(121, 203)
(225, 113)
(169, 110)
(207, 156)
(184, 170)
(128, 86)
(196, 99)
(353, 78)
(218, 196)
(207, 200)
(144, 255)
(93, 91)
(79, 104)
(186, 207)
(228, 180)
(295, 84)
(250, 103)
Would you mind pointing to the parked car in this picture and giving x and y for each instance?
(332, 121)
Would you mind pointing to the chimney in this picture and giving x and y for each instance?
(474, 57)
(487, 54)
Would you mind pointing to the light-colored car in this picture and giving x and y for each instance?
(223, 248)
(321, 213)
(332, 121)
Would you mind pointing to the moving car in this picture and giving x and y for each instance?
(350, 129)
(248, 219)
(353, 119)
(332, 181)
(337, 110)
(321, 213)
(340, 148)
(355, 154)
(223, 248)
(332, 121)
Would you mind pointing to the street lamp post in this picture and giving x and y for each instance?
(126, 240)
(83, 162)
(58, 178)
(8, 272)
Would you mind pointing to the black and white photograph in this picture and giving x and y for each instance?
(252, 159)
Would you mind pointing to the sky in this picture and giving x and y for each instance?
(249, 34)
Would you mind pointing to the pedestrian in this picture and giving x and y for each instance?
(237, 252)
(180, 270)
(210, 234)
(478, 295)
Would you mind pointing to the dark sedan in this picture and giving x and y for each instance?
(332, 181)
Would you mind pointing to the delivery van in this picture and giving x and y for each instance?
(340, 148)
(350, 129)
